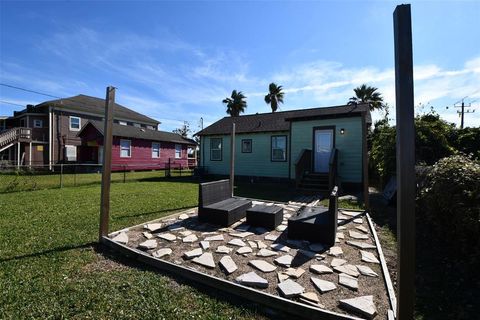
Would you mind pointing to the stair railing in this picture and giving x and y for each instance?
(14, 135)
(332, 172)
(303, 163)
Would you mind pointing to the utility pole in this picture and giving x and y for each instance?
(462, 113)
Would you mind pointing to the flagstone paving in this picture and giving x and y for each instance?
(268, 261)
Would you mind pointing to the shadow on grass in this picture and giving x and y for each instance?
(256, 309)
(53, 250)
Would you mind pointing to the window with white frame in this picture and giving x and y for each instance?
(191, 153)
(70, 153)
(75, 123)
(178, 151)
(125, 148)
(137, 125)
(151, 127)
(279, 148)
(37, 123)
(216, 149)
(122, 123)
(155, 150)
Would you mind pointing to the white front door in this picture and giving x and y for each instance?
(323, 148)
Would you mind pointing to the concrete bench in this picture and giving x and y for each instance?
(316, 224)
(265, 216)
(217, 206)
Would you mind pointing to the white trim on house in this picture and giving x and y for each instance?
(178, 152)
(155, 153)
(70, 123)
(37, 123)
(122, 123)
(123, 148)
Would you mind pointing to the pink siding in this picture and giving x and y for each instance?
(141, 152)
(141, 155)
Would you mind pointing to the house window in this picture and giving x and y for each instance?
(178, 151)
(125, 148)
(155, 150)
(71, 153)
(247, 146)
(74, 123)
(122, 123)
(191, 153)
(151, 127)
(137, 125)
(279, 148)
(37, 123)
(216, 149)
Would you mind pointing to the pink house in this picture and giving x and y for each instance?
(137, 148)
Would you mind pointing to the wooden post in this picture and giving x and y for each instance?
(61, 175)
(405, 162)
(30, 155)
(232, 158)
(18, 155)
(107, 163)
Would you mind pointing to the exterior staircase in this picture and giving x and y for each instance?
(315, 183)
(9, 137)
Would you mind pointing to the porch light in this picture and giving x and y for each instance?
(342, 131)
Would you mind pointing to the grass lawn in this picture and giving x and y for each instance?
(50, 266)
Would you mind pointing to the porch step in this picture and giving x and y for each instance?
(315, 183)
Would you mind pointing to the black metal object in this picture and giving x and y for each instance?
(316, 224)
(217, 206)
(265, 216)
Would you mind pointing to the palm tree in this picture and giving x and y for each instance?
(367, 94)
(274, 96)
(236, 104)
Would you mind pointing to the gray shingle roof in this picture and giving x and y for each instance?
(280, 121)
(83, 103)
(140, 133)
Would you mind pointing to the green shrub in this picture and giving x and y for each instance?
(449, 201)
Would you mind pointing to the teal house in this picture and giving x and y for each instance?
(311, 148)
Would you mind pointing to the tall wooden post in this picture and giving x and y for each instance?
(405, 161)
(232, 158)
(366, 195)
(107, 163)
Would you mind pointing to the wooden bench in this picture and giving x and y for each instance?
(216, 204)
(316, 224)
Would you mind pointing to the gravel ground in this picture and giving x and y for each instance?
(374, 286)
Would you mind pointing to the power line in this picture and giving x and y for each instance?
(13, 104)
(28, 90)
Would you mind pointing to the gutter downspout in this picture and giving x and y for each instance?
(50, 138)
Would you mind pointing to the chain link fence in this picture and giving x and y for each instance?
(15, 178)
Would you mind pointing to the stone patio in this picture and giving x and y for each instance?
(326, 278)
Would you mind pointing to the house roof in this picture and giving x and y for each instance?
(83, 103)
(139, 133)
(280, 121)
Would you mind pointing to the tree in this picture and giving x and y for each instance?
(236, 104)
(274, 96)
(184, 130)
(367, 94)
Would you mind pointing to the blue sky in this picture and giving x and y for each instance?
(176, 61)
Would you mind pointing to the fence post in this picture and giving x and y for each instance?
(75, 176)
(124, 172)
(61, 175)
